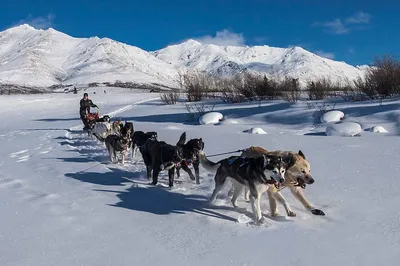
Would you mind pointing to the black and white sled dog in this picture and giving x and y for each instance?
(102, 127)
(158, 156)
(257, 174)
(139, 138)
(115, 143)
(190, 151)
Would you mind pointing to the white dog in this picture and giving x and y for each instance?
(102, 127)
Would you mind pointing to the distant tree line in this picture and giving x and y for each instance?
(381, 80)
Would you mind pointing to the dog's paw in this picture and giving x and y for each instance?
(291, 214)
(317, 212)
(275, 214)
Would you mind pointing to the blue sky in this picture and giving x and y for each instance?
(353, 31)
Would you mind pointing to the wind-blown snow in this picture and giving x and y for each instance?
(47, 57)
(63, 203)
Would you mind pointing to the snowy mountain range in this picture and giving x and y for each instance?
(33, 57)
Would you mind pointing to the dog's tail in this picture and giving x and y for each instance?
(207, 164)
(100, 138)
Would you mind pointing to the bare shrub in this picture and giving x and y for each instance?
(197, 85)
(170, 97)
(291, 89)
(195, 111)
(382, 79)
(320, 89)
(320, 108)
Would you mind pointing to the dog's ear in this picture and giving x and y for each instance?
(302, 154)
(289, 160)
(202, 143)
(262, 161)
(182, 139)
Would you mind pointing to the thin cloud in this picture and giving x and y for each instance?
(41, 22)
(336, 26)
(359, 18)
(325, 54)
(351, 50)
(260, 39)
(343, 26)
(224, 37)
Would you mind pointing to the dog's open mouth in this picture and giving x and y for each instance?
(275, 183)
(300, 183)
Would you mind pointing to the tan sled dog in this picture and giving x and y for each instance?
(295, 179)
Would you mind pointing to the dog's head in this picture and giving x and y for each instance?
(106, 118)
(125, 132)
(117, 125)
(300, 170)
(273, 167)
(195, 144)
(124, 141)
(152, 135)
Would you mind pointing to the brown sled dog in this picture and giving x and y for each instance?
(296, 178)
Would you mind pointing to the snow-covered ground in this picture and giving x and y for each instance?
(63, 203)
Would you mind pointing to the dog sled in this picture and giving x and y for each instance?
(92, 118)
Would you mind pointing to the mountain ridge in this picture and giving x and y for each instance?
(36, 57)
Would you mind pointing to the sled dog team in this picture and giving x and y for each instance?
(255, 171)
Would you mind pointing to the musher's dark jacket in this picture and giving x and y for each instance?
(85, 106)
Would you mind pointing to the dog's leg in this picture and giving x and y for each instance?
(197, 171)
(279, 197)
(272, 202)
(148, 171)
(237, 190)
(115, 156)
(178, 173)
(246, 194)
(156, 171)
(232, 190)
(133, 152)
(123, 157)
(171, 173)
(187, 170)
(255, 203)
(220, 179)
(110, 153)
(298, 193)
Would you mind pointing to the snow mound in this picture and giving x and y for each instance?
(255, 130)
(228, 122)
(332, 116)
(346, 129)
(378, 129)
(210, 118)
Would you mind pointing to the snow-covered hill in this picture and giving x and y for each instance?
(282, 62)
(47, 57)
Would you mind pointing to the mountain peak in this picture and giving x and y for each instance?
(22, 27)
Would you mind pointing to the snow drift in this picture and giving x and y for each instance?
(332, 116)
(345, 129)
(210, 118)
